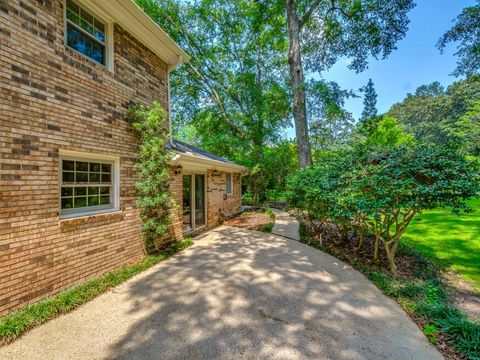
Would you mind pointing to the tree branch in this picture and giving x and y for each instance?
(309, 12)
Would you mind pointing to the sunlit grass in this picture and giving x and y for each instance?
(449, 240)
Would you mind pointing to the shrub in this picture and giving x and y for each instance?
(377, 188)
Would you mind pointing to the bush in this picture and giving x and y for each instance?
(375, 187)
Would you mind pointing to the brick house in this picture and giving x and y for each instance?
(68, 70)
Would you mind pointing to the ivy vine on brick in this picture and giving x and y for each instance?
(153, 189)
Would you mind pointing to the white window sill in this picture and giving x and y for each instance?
(88, 214)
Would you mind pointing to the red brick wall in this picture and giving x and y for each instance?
(52, 98)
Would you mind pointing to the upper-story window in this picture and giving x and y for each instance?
(86, 33)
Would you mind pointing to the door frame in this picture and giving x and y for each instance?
(192, 199)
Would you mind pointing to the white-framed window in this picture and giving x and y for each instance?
(229, 183)
(87, 34)
(88, 185)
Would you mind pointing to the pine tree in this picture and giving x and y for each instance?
(369, 102)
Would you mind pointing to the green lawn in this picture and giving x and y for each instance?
(450, 240)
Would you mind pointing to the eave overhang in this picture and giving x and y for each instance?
(198, 163)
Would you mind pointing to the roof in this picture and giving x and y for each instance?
(190, 153)
(129, 15)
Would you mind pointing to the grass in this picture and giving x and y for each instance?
(14, 325)
(423, 296)
(450, 241)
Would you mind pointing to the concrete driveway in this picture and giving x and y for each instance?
(235, 294)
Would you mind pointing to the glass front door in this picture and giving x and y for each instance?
(193, 201)
(187, 202)
(199, 200)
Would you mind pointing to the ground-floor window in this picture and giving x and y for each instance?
(87, 185)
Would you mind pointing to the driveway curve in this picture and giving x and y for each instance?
(235, 294)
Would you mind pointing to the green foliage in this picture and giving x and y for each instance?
(233, 97)
(465, 32)
(379, 183)
(432, 114)
(330, 124)
(153, 188)
(355, 30)
(384, 132)
(14, 325)
(468, 129)
(429, 331)
(369, 102)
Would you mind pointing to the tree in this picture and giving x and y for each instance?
(369, 102)
(431, 113)
(234, 94)
(322, 31)
(466, 31)
(467, 128)
(330, 124)
(433, 89)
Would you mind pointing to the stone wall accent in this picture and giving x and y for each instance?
(53, 98)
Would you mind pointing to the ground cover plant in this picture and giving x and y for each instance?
(14, 325)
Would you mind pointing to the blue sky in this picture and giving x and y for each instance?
(415, 62)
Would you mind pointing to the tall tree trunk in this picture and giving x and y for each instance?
(298, 86)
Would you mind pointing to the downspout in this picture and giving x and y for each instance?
(170, 68)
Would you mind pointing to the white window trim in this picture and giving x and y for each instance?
(231, 183)
(109, 51)
(83, 156)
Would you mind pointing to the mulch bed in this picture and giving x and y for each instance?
(253, 220)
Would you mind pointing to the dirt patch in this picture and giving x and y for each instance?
(254, 220)
(465, 296)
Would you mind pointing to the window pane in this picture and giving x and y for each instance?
(93, 200)
(68, 165)
(80, 202)
(95, 167)
(73, 17)
(106, 168)
(82, 177)
(94, 177)
(85, 45)
(68, 176)
(67, 203)
(104, 190)
(73, 7)
(104, 200)
(67, 191)
(80, 191)
(81, 166)
(93, 191)
(106, 178)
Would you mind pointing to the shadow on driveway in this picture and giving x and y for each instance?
(243, 294)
